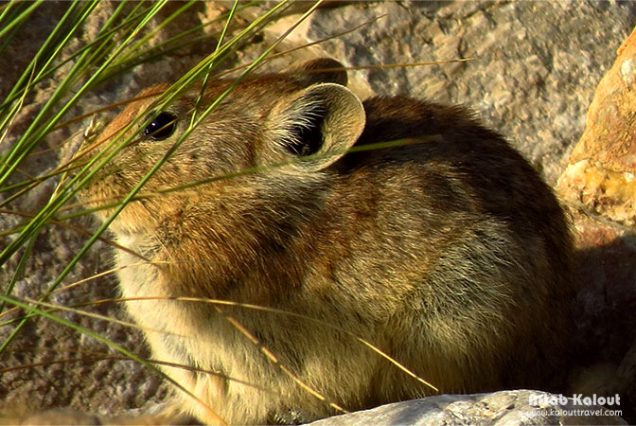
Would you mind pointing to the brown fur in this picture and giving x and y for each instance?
(449, 253)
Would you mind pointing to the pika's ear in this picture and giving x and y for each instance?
(316, 126)
(320, 70)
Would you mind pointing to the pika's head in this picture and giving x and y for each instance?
(293, 124)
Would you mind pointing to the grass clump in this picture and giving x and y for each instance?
(84, 52)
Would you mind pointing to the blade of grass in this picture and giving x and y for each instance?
(244, 172)
(31, 137)
(105, 357)
(25, 143)
(7, 25)
(209, 71)
(34, 226)
(30, 182)
(295, 315)
(7, 36)
(233, 321)
(106, 33)
(213, 105)
(227, 47)
(140, 44)
(211, 60)
(194, 120)
(31, 310)
(19, 272)
(176, 43)
(56, 203)
(170, 151)
(44, 52)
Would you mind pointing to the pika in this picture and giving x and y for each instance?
(444, 249)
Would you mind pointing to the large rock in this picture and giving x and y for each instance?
(599, 188)
(500, 408)
(521, 407)
(601, 172)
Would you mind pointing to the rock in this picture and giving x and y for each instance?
(530, 70)
(605, 336)
(598, 185)
(521, 407)
(601, 172)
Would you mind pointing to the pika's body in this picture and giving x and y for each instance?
(445, 249)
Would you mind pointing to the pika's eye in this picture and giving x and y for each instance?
(162, 127)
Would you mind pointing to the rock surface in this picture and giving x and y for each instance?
(601, 170)
(598, 186)
(532, 71)
(500, 408)
(522, 407)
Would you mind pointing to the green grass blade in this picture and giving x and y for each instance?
(31, 310)
(23, 146)
(7, 25)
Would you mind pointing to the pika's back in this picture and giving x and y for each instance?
(401, 221)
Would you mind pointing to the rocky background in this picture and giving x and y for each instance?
(530, 71)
